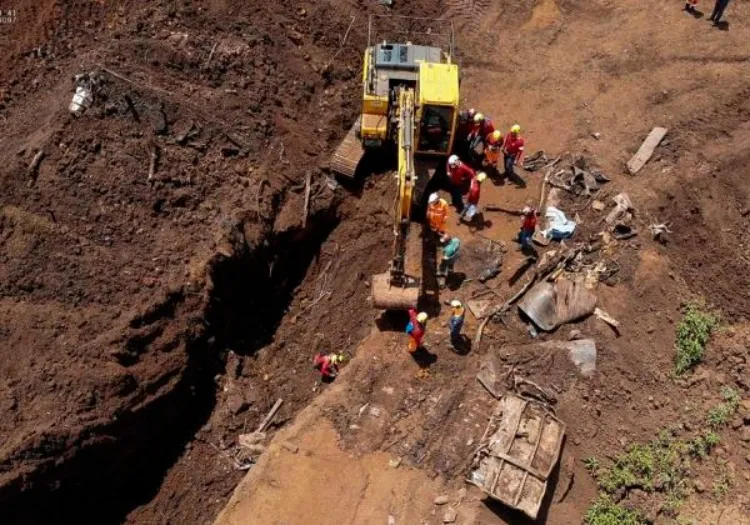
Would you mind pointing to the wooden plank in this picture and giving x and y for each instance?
(646, 150)
(270, 416)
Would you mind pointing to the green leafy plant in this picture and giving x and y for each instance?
(592, 465)
(693, 333)
(701, 446)
(720, 414)
(606, 512)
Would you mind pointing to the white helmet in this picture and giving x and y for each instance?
(433, 198)
(453, 161)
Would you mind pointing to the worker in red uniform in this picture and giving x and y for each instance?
(472, 198)
(528, 227)
(328, 365)
(513, 150)
(416, 329)
(481, 129)
(460, 175)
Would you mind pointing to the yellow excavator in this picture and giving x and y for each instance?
(410, 101)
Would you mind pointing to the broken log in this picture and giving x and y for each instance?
(35, 162)
(270, 416)
(154, 154)
(492, 207)
(644, 153)
(305, 211)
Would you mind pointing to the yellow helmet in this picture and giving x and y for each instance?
(479, 117)
(421, 317)
(481, 176)
(515, 129)
(496, 136)
(455, 303)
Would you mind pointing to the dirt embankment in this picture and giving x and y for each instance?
(122, 297)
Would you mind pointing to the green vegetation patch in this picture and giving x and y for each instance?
(606, 512)
(693, 333)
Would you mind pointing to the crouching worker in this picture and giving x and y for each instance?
(448, 259)
(416, 329)
(456, 322)
(328, 365)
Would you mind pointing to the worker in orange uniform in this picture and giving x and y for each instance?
(513, 150)
(493, 151)
(472, 198)
(437, 214)
(460, 174)
(416, 329)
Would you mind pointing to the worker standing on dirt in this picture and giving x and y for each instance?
(513, 149)
(437, 214)
(449, 258)
(481, 129)
(460, 175)
(328, 365)
(472, 198)
(690, 6)
(528, 227)
(456, 322)
(416, 329)
(718, 11)
(492, 152)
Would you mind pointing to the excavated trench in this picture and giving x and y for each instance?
(120, 466)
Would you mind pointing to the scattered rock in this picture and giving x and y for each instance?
(745, 435)
(747, 458)
(699, 486)
(296, 37)
(597, 136)
(574, 334)
(737, 424)
(450, 515)
(597, 205)
(442, 500)
(291, 447)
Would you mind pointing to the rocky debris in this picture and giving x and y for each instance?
(442, 500)
(450, 516)
(699, 486)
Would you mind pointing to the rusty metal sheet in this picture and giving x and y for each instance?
(347, 156)
(550, 305)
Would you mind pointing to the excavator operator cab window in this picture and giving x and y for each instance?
(435, 129)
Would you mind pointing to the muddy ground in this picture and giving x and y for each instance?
(147, 323)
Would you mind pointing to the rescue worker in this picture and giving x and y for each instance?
(437, 214)
(528, 226)
(690, 6)
(513, 149)
(492, 151)
(449, 257)
(460, 175)
(328, 365)
(416, 329)
(472, 198)
(481, 128)
(718, 11)
(456, 322)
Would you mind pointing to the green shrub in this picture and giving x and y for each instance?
(605, 512)
(720, 414)
(693, 333)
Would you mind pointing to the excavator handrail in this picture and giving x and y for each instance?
(449, 37)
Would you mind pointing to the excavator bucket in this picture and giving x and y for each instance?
(387, 297)
(347, 156)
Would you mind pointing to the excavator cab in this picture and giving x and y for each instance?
(410, 97)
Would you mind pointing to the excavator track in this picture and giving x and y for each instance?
(347, 156)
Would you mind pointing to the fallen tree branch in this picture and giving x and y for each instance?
(341, 45)
(154, 154)
(305, 211)
(269, 417)
(210, 56)
(34, 166)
